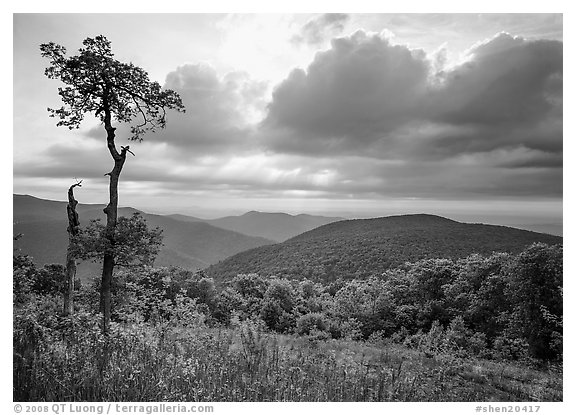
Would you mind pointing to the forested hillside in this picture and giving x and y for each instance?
(363, 247)
(193, 245)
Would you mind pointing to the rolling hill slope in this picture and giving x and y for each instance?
(363, 247)
(191, 245)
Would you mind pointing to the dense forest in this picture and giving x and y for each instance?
(364, 247)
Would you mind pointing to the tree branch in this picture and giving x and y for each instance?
(126, 149)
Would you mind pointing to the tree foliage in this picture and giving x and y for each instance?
(95, 81)
(500, 306)
(535, 290)
(134, 243)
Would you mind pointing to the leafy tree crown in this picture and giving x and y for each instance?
(135, 244)
(97, 83)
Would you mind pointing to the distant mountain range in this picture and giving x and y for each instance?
(316, 247)
(363, 247)
(192, 245)
(274, 226)
(189, 242)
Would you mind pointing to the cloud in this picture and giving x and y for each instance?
(350, 95)
(505, 80)
(316, 31)
(366, 119)
(218, 124)
(366, 96)
(220, 110)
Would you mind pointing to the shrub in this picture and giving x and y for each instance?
(400, 335)
(351, 329)
(23, 278)
(510, 348)
(50, 279)
(318, 336)
(378, 338)
(310, 322)
(477, 345)
(276, 318)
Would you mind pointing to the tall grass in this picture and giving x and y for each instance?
(140, 362)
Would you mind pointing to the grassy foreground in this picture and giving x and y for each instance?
(163, 363)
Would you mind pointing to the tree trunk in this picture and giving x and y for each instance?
(73, 225)
(111, 211)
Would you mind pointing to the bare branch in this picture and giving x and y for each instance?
(127, 149)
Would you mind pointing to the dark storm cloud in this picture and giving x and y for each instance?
(368, 97)
(318, 30)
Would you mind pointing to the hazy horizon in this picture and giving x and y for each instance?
(546, 220)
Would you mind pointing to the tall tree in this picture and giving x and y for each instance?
(535, 289)
(73, 227)
(97, 83)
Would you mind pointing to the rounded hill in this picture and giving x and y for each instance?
(362, 247)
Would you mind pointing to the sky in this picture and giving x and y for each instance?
(354, 115)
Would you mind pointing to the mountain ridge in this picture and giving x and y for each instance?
(192, 245)
(358, 248)
(276, 226)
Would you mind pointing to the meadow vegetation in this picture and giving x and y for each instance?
(483, 328)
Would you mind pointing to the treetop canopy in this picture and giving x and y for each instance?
(96, 82)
